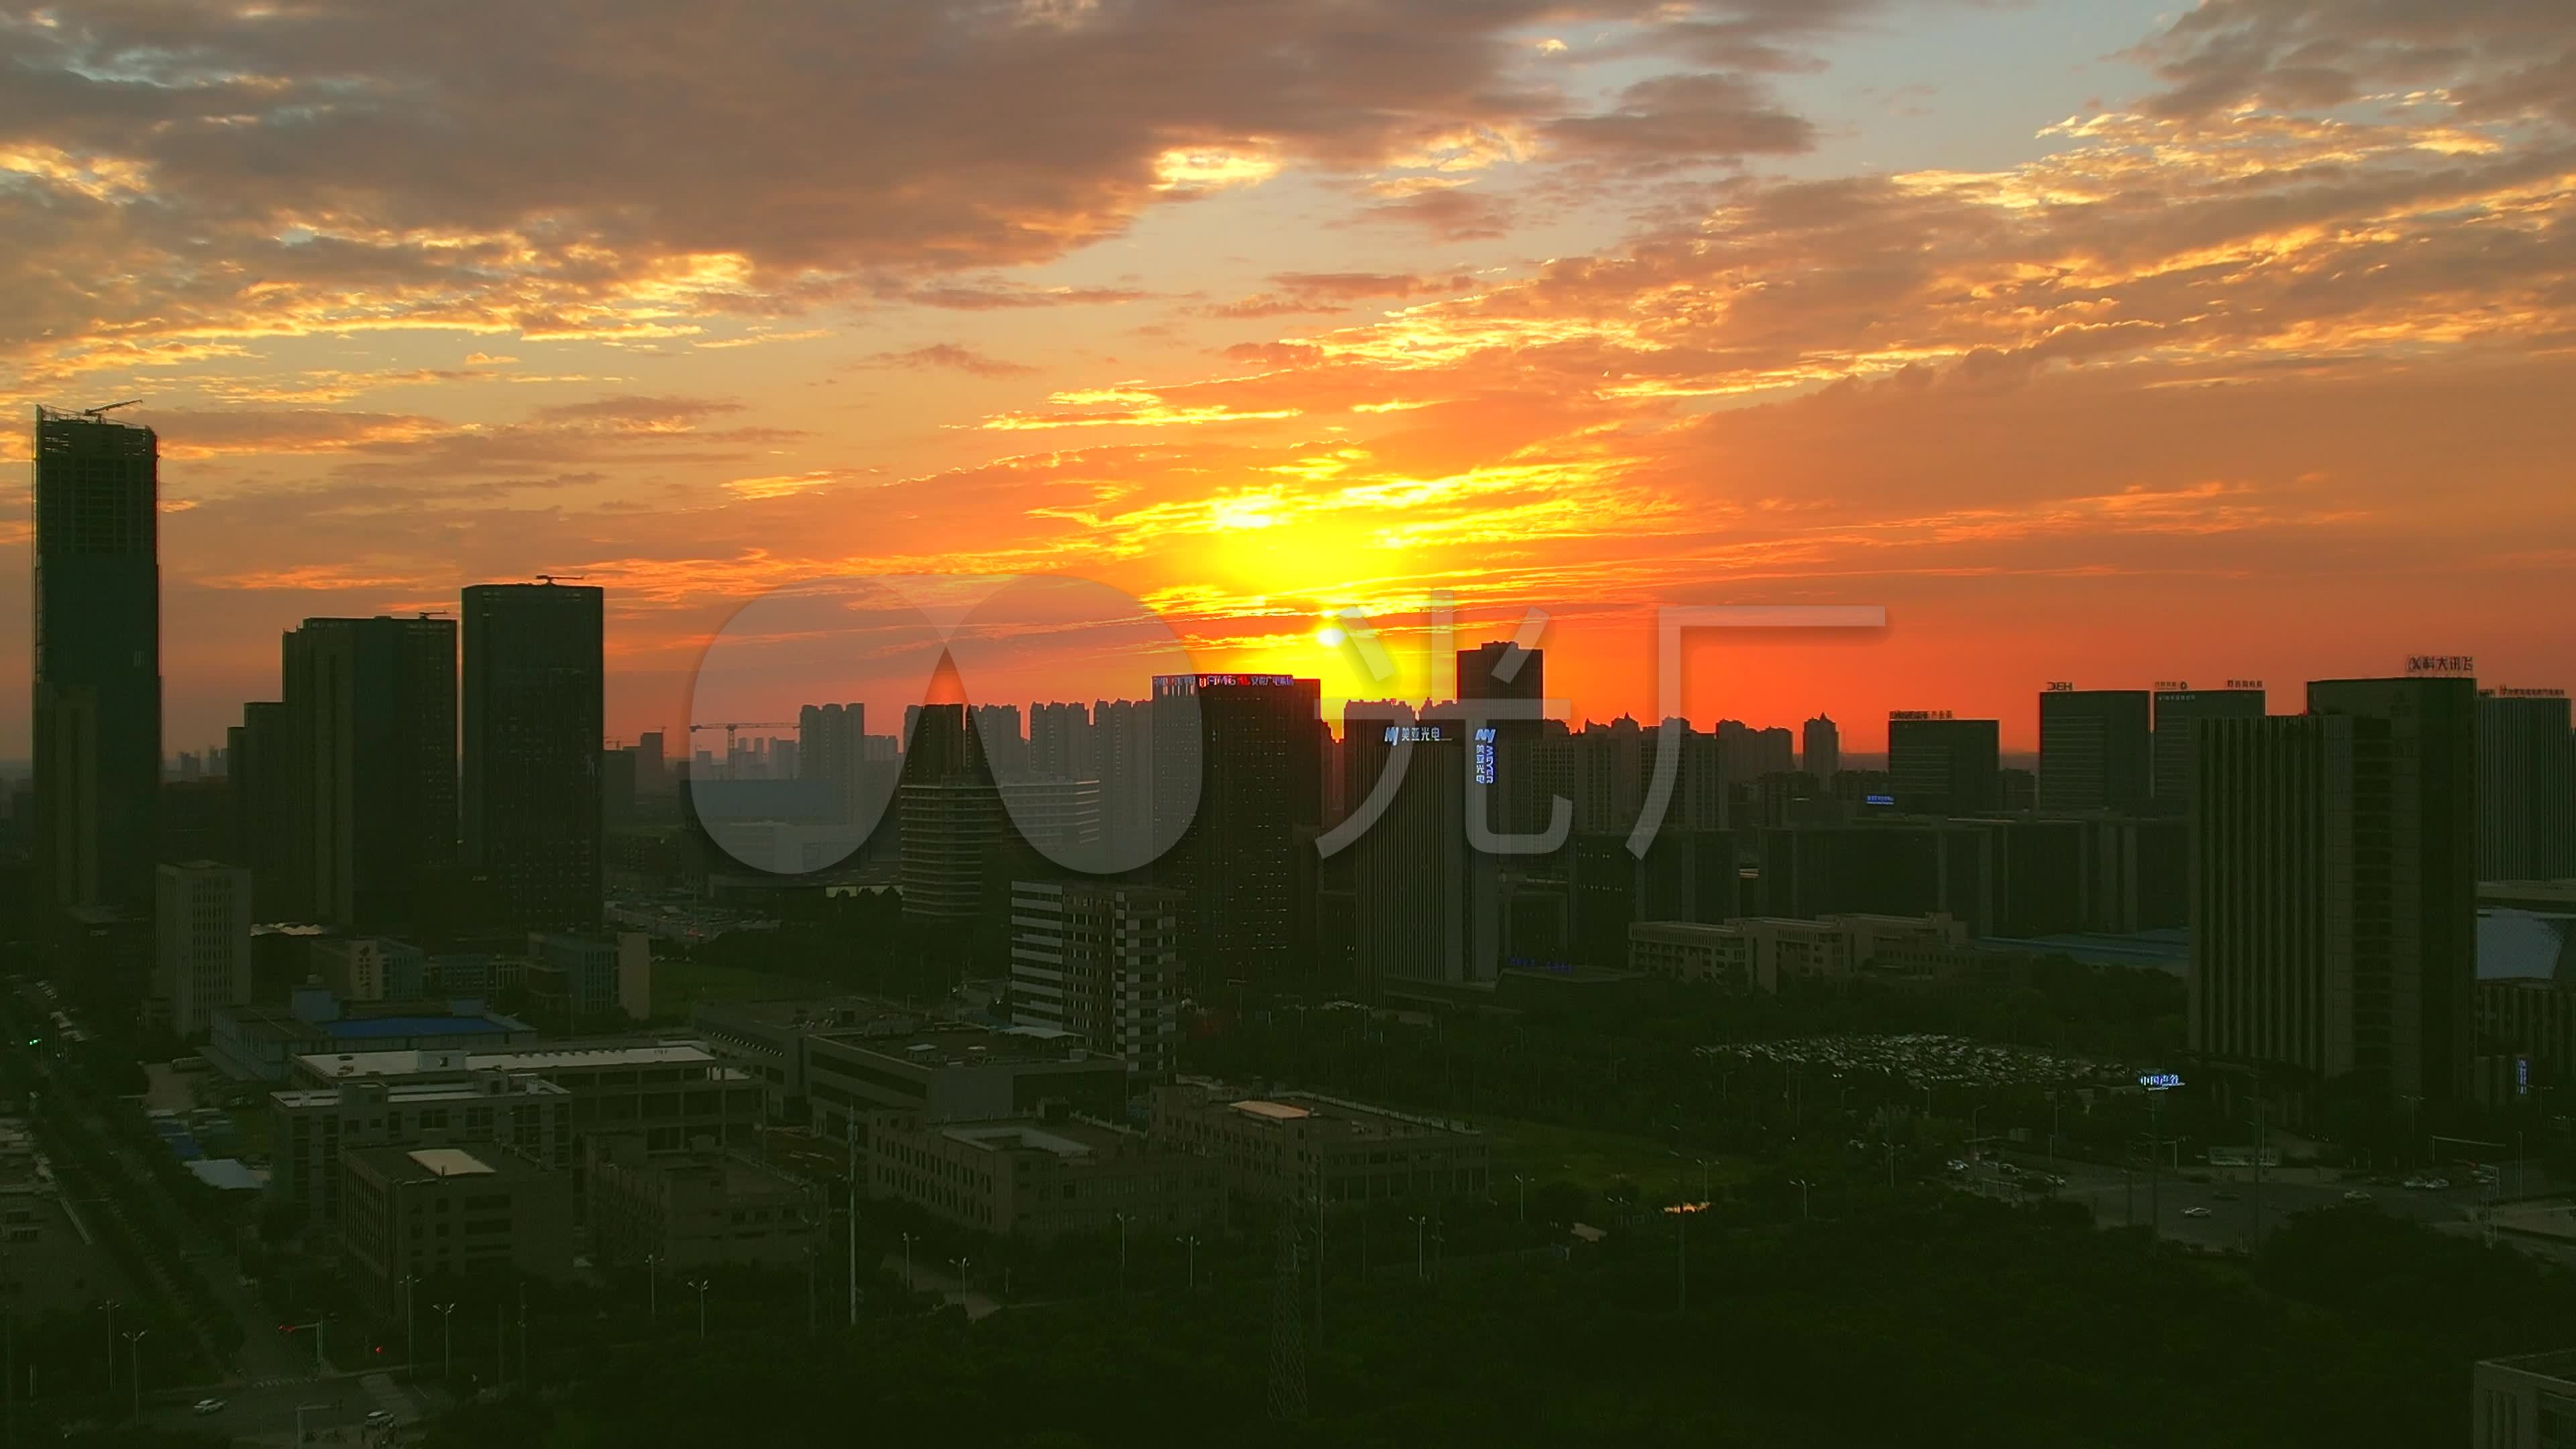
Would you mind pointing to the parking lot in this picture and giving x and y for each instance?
(2220, 1211)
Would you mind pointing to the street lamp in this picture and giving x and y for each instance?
(1520, 1187)
(702, 1285)
(134, 1360)
(447, 1332)
(110, 1306)
(1802, 1185)
(1191, 1241)
(653, 1286)
(411, 1328)
(1419, 1224)
(907, 1265)
(1122, 1254)
(1682, 1212)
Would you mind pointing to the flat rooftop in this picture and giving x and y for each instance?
(962, 1045)
(435, 1164)
(603, 1058)
(404, 1094)
(1069, 1140)
(383, 1026)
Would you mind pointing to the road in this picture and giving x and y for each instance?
(336, 1409)
(2167, 1202)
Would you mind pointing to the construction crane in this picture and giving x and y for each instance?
(729, 726)
(550, 578)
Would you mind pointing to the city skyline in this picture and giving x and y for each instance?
(2019, 329)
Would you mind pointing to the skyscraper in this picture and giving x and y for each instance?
(2096, 751)
(371, 704)
(2334, 891)
(1260, 780)
(534, 673)
(1427, 907)
(830, 748)
(1503, 671)
(2176, 712)
(97, 678)
(2526, 786)
(1821, 751)
(1937, 765)
(262, 777)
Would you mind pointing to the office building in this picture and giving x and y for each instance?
(1038, 1177)
(202, 916)
(2527, 1401)
(1101, 963)
(534, 673)
(2177, 713)
(954, 839)
(263, 1043)
(699, 1208)
(2334, 891)
(673, 1092)
(1284, 1144)
(768, 1040)
(415, 1219)
(96, 692)
(371, 704)
(1771, 954)
(2526, 786)
(2096, 751)
(262, 777)
(1821, 749)
(1427, 907)
(951, 1071)
(1937, 765)
(1890, 868)
(364, 968)
(831, 748)
(1259, 776)
(580, 978)
(309, 1127)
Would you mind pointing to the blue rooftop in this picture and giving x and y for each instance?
(389, 1026)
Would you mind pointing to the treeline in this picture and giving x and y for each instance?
(1937, 1320)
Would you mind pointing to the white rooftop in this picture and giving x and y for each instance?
(450, 1162)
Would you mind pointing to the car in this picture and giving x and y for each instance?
(2195, 1212)
(208, 1406)
(1957, 1166)
(2439, 1184)
(2356, 1195)
(2418, 1184)
(378, 1419)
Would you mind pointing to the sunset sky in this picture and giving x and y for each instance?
(2095, 340)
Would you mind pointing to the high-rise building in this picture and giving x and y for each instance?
(1260, 779)
(950, 814)
(1502, 671)
(1821, 750)
(831, 748)
(1102, 961)
(2334, 890)
(202, 961)
(2096, 751)
(652, 773)
(371, 704)
(1937, 765)
(97, 661)
(262, 777)
(2177, 710)
(1428, 908)
(2526, 786)
(534, 675)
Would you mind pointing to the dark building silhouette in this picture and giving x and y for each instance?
(2526, 786)
(2096, 750)
(1897, 868)
(2334, 890)
(1260, 780)
(97, 662)
(268, 833)
(1821, 750)
(1942, 766)
(534, 676)
(371, 704)
(2177, 711)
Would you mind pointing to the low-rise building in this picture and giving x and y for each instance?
(1100, 962)
(1281, 1144)
(2524, 1402)
(1039, 1177)
(672, 1092)
(950, 1071)
(694, 1209)
(768, 1039)
(312, 1126)
(1775, 953)
(441, 1213)
(261, 1043)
